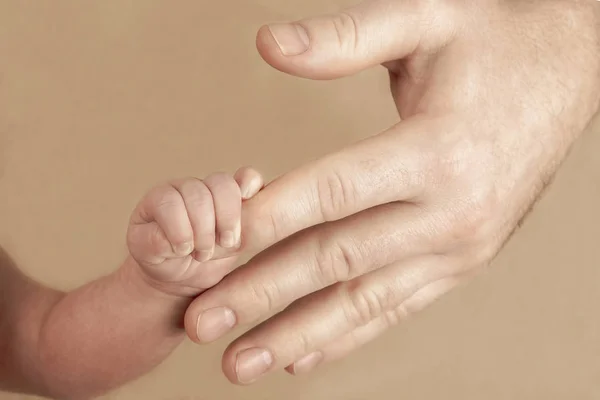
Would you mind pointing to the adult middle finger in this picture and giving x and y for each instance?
(396, 165)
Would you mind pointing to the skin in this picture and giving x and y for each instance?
(491, 96)
(174, 233)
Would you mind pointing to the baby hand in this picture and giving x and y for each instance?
(176, 227)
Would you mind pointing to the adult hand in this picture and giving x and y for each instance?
(491, 95)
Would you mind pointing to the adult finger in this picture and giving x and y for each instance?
(399, 164)
(313, 260)
(341, 347)
(368, 34)
(324, 316)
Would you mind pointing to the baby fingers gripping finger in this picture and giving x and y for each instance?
(165, 206)
(201, 212)
(228, 209)
(148, 244)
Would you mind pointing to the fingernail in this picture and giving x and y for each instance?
(227, 239)
(307, 363)
(250, 189)
(238, 235)
(291, 38)
(184, 249)
(252, 363)
(204, 255)
(214, 323)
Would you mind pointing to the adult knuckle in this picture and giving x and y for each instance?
(467, 258)
(346, 26)
(453, 162)
(470, 227)
(472, 200)
(443, 163)
(393, 317)
(265, 297)
(444, 7)
(473, 228)
(305, 342)
(448, 11)
(363, 304)
(430, 174)
(478, 214)
(335, 260)
(335, 193)
(484, 253)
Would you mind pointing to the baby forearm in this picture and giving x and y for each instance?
(107, 333)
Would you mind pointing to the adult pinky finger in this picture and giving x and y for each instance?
(362, 335)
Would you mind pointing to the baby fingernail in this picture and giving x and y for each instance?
(184, 249)
(227, 239)
(231, 239)
(252, 363)
(238, 234)
(214, 323)
(251, 189)
(204, 255)
(307, 363)
(246, 190)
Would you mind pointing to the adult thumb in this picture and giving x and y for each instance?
(372, 33)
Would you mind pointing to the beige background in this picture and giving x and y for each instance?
(101, 100)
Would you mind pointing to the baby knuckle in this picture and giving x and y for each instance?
(158, 241)
(167, 199)
(218, 177)
(221, 181)
(195, 192)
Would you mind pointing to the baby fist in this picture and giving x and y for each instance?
(177, 226)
